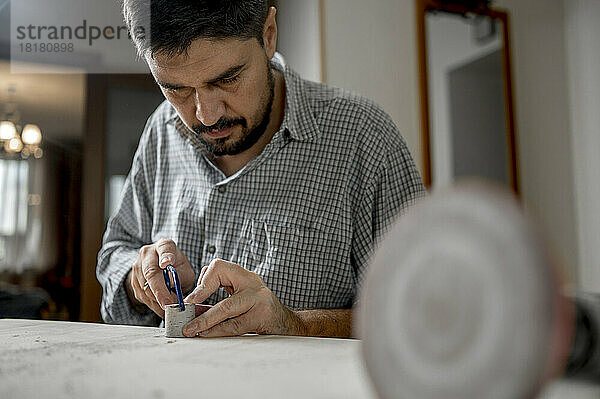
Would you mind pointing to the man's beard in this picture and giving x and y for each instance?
(249, 137)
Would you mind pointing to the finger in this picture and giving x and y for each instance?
(147, 293)
(189, 297)
(145, 296)
(155, 307)
(154, 276)
(144, 293)
(151, 300)
(135, 285)
(219, 273)
(201, 293)
(230, 328)
(206, 286)
(142, 290)
(202, 273)
(226, 309)
(138, 275)
(167, 252)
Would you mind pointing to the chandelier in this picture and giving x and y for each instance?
(14, 140)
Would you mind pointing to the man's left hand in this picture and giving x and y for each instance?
(251, 306)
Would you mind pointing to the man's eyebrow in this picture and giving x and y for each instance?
(227, 74)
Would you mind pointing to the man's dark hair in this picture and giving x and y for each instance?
(175, 24)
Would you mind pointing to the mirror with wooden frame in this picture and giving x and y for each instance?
(467, 117)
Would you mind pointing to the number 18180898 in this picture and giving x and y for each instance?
(46, 47)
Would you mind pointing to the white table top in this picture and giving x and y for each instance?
(63, 360)
(72, 360)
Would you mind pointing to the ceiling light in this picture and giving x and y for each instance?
(8, 130)
(15, 140)
(13, 145)
(31, 135)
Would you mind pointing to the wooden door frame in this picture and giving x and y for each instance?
(424, 6)
(94, 163)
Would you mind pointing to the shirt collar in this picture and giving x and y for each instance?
(298, 116)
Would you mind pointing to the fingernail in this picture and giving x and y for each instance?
(166, 259)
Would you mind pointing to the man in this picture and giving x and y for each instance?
(266, 192)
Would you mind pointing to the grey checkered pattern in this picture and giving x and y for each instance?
(305, 214)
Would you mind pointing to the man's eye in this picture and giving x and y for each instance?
(230, 80)
(178, 92)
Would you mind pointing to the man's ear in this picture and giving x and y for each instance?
(270, 33)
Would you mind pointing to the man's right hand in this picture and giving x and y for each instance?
(145, 282)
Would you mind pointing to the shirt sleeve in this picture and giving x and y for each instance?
(392, 186)
(128, 230)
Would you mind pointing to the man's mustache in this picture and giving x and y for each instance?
(223, 123)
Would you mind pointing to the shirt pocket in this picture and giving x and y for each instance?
(290, 259)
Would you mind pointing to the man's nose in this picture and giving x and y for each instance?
(209, 108)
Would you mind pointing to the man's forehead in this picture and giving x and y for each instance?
(204, 54)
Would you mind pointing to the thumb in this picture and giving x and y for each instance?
(167, 252)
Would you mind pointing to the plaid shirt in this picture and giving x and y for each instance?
(305, 214)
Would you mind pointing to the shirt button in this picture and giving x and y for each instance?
(222, 189)
(211, 249)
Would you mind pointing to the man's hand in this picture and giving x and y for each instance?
(251, 306)
(145, 281)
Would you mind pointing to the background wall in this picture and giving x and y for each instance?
(542, 116)
(583, 53)
(371, 47)
(299, 36)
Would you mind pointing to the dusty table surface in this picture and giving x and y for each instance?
(52, 359)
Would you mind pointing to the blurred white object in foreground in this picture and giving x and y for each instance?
(462, 301)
